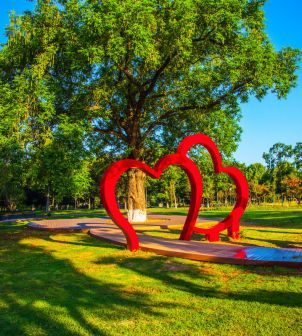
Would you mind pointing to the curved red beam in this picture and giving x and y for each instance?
(114, 172)
(232, 221)
(180, 158)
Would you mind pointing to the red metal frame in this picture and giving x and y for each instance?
(180, 158)
(113, 173)
(232, 221)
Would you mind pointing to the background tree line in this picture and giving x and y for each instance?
(65, 175)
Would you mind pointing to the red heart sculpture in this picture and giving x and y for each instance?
(113, 173)
(232, 221)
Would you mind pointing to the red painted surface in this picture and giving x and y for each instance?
(232, 221)
(113, 173)
(180, 158)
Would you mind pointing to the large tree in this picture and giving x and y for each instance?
(143, 73)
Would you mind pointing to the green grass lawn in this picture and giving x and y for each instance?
(73, 284)
(281, 227)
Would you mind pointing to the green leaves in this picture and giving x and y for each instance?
(135, 75)
(131, 68)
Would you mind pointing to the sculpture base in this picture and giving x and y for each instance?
(137, 216)
(211, 252)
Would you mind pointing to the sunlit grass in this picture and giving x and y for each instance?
(73, 284)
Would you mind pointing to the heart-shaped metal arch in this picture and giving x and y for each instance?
(114, 172)
(232, 221)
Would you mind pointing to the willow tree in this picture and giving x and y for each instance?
(143, 73)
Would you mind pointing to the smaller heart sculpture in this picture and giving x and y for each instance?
(232, 221)
(114, 172)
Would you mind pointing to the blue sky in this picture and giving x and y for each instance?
(271, 120)
(264, 123)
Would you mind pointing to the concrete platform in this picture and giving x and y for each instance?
(211, 252)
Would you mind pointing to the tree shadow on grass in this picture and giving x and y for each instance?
(275, 219)
(285, 231)
(85, 241)
(155, 269)
(41, 294)
(265, 218)
(276, 242)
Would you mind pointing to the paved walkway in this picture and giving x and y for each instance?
(85, 224)
(71, 224)
(103, 228)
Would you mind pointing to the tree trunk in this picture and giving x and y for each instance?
(47, 200)
(11, 205)
(137, 212)
(173, 199)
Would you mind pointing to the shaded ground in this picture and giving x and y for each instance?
(13, 217)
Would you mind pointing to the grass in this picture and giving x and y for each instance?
(72, 284)
(280, 227)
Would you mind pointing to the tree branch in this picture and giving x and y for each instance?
(116, 117)
(203, 37)
(129, 76)
(172, 113)
(111, 132)
(157, 74)
(153, 82)
(161, 95)
(159, 122)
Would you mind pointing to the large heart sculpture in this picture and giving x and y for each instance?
(231, 222)
(113, 173)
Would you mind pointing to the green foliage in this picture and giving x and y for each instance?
(85, 80)
(12, 167)
(12, 151)
(298, 156)
(143, 72)
(59, 164)
(278, 153)
(171, 190)
(283, 168)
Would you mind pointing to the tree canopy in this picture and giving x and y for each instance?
(146, 71)
(137, 76)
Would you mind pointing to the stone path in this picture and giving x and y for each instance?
(85, 224)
